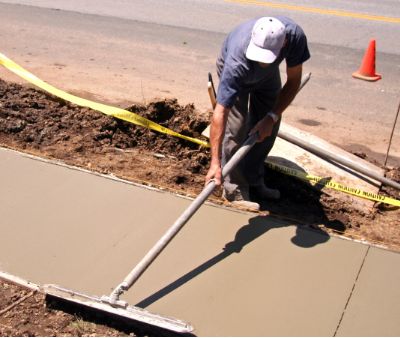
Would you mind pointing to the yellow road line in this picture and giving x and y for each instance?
(318, 10)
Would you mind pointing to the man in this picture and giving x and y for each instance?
(251, 99)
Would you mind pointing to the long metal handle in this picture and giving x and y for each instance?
(141, 267)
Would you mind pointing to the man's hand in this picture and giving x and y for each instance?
(264, 128)
(215, 173)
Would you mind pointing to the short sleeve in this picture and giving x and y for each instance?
(229, 85)
(298, 51)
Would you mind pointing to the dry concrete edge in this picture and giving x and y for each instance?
(19, 281)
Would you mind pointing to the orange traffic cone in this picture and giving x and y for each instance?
(367, 69)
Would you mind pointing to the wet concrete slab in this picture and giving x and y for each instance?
(229, 273)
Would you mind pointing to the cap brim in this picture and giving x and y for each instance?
(255, 53)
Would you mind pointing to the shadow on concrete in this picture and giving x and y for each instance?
(257, 227)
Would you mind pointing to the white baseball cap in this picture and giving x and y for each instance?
(267, 39)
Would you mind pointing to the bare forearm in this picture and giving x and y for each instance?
(217, 132)
(286, 96)
(289, 90)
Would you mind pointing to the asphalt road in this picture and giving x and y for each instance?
(125, 51)
(344, 28)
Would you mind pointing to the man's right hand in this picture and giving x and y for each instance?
(215, 173)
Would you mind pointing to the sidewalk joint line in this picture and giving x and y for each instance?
(351, 293)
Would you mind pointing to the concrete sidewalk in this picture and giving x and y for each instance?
(228, 273)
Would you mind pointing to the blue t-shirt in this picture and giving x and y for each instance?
(238, 74)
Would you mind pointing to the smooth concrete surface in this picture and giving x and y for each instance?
(228, 273)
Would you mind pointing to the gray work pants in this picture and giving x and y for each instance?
(248, 109)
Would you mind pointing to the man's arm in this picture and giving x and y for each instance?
(285, 97)
(289, 90)
(218, 124)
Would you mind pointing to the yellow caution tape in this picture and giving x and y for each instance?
(326, 182)
(119, 113)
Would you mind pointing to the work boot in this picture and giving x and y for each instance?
(240, 199)
(266, 193)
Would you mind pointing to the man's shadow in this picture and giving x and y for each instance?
(257, 227)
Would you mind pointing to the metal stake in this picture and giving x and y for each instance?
(391, 136)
